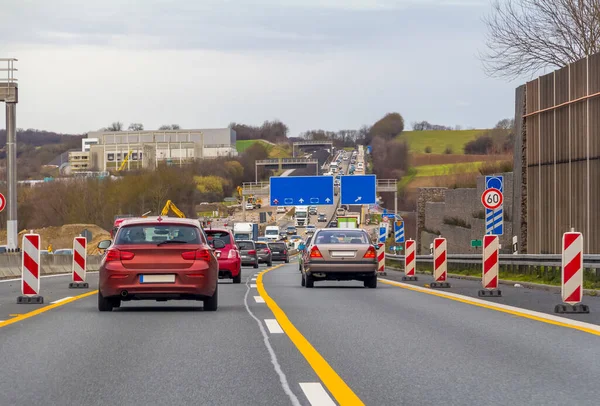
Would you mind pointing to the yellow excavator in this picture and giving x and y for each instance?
(171, 206)
(125, 161)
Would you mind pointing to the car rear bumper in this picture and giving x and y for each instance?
(229, 267)
(341, 270)
(249, 260)
(280, 257)
(264, 258)
(192, 283)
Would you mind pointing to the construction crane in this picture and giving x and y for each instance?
(125, 161)
(171, 206)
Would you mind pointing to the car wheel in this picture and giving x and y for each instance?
(309, 281)
(210, 305)
(116, 303)
(104, 304)
(238, 278)
(303, 281)
(287, 260)
(256, 265)
(270, 263)
(371, 282)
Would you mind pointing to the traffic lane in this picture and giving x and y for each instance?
(530, 299)
(142, 353)
(446, 352)
(52, 288)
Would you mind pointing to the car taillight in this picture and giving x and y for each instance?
(252, 252)
(315, 253)
(232, 254)
(199, 255)
(284, 252)
(114, 254)
(266, 250)
(370, 253)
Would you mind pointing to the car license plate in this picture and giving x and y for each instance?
(343, 254)
(157, 278)
(244, 257)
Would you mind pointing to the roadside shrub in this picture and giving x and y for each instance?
(490, 168)
(448, 150)
(428, 150)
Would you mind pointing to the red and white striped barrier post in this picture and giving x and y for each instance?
(381, 259)
(79, 263)
(572, 274)
(30, 270)
(440, 264)
(491, 266)
(410, 261)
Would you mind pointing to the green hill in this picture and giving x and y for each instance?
(418, 141)
(275, 151)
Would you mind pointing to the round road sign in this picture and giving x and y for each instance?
(492, 198)
(2, 202)
(386, 219)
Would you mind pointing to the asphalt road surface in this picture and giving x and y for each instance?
(273, 342)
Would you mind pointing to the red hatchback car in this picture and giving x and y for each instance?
(158, 259)
(230, 262)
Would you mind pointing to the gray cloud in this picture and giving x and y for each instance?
(231, 25)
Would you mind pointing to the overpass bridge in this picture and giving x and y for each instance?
(286, 163)
(296, 146)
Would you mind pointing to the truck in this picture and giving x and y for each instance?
(245, 231)
(272, 233)
(301, 217)
(349, 221)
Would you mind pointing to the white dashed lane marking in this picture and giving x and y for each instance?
(316, 394)
(273, 326)
(259, 299)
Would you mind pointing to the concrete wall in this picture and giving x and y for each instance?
(461, 205)
(10, 264)
(430, 194)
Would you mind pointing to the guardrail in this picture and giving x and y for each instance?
(550, 260)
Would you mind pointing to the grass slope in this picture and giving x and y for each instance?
(439, 140)
(275, 150)
(447, 169)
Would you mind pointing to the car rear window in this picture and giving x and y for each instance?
(218, 235)
(155, 233)
(261, 245)
(246, 245)
(278, 246)
(345, 237)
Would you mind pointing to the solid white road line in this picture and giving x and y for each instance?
(253, 285)
(316, 394)
(282, 378)
(259, 299)
(273, 326)
(60, 300)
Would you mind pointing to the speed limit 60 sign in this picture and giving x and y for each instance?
(491, 198)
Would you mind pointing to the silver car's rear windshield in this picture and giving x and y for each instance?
(342, 237)
(246, 245)
(155, 233)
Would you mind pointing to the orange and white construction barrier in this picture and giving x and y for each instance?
(572, 274)
(491, 266)
(79, 263)
(440, 263)
(410, 261)
(30, 270)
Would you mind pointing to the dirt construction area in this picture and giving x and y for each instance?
(62, 237)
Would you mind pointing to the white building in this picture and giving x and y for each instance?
(125, 150)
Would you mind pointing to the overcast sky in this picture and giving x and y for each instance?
(330, 64)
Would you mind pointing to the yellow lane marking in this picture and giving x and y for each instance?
(528, 314)
(15, 315)
(44, 309)
(338, 388)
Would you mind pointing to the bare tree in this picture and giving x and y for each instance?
(169, 127)
(136, 127)
(525, 36)
(115, 126)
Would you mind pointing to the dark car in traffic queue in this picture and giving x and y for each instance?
(279, 252)
(158, 259)
(322, 218)
(339, 254)
(248, 254)
(264, 253)
(230, 263)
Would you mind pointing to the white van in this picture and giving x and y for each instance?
(272, 233)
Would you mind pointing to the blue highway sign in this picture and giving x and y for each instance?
(301, 190)
(494, 219)
(358, 189)
(399, 231)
